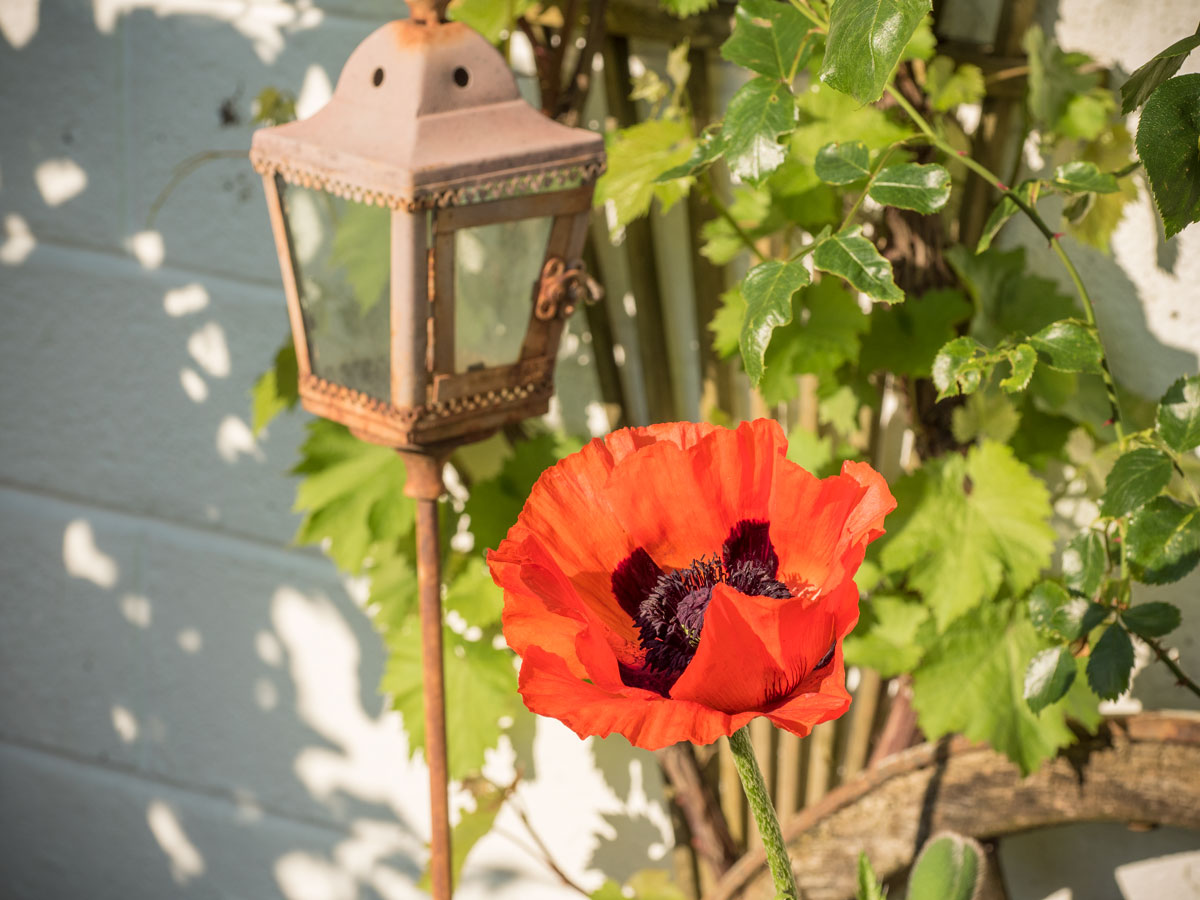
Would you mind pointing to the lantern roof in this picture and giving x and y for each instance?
(428, 114)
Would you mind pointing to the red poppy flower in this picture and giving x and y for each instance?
(672, 583)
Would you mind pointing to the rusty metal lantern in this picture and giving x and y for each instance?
(424, 143)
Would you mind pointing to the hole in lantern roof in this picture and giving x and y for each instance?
(461, 76)
(377, 78)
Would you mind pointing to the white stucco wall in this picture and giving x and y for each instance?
(187, 703)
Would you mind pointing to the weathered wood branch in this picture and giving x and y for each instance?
(1140, 769)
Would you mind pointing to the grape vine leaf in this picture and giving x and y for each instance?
(1111, 663)
(866, 40)
(974, 524)
(823, 334)
(726, 325)
(1152, 620)
(481, 689)
(474, 596)
(891, 635)
(352, 494)
(758, 114)
(1135, 479)
(709, 148)
(472, 826)
(949, 87)
(1163, 541)
(276, 390)
(1167, 142)
(494, 503)
(986, 415)
(1147, 77)
(1009, 300)
(973, 681)
(923, 188)
(636, 157)
(1178, 416)
(682, 9)
(768, 290)
(769, 38)
(843, 163)
(905, 338)
(822, 109)
(1049, 676)
(854, 258)
(1055, 79)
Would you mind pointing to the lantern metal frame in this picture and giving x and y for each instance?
(449, 145)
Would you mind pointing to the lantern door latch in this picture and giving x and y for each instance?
(561, 288)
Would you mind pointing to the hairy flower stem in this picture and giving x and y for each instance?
(764, 814)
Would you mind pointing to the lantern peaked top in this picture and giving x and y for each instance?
(427, 114)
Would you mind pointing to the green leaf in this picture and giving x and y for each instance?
(973, 681)
(949, 87)
(393, 597)
(810, 451)
(1009, 300)
(975, 524)
(1070, 346)
(1005, 210)
(1152, 620)
(1111, 663)
(682, 9)
(277, 389)
(985, 415)
(959, 367)
(1021, 359)
(1146, 78)
(924, 189)
(1178, 417)
(769, 38)
(709, 148)
(1055, 79)
(726, 325)
(1167, 141)
(274, 107)
(761, 111)
(345, 496)
(923, 44)
(472, 826)
(1058, 615)
(495, 503)
(1084, 563)
(889, 636)
(843, 163)
(1163, 541)
(866, 39)
(854, 258)
(904, 339)
(950, 867)
(636, 157)
(1079, 176)
(474, 596)
(481, 688)
(1136, 479)
(826, 113)
(1048, 678)
(768, 289)
(869, 887)
(491, 18)
(362, 249)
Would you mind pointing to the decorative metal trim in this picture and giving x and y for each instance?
(546, 180)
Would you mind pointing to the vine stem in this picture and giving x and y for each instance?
(874, 173)
(764, 814)
(1165, 658)
(723, 211)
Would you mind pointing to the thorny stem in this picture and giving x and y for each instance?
(1165, 657)
(764, 814)
(875, 170)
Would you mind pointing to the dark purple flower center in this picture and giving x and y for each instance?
(668, 607)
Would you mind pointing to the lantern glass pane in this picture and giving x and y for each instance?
(341, 254)
(496, 270)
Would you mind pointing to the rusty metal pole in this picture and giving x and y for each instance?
(424, 484)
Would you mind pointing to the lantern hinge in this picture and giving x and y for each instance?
(561, 288)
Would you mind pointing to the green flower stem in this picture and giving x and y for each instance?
(764, 815)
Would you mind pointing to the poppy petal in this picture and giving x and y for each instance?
(754, 651)
(633, 579)
(681, 503)
(645, 718)
(822, 698)
(867, 518)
